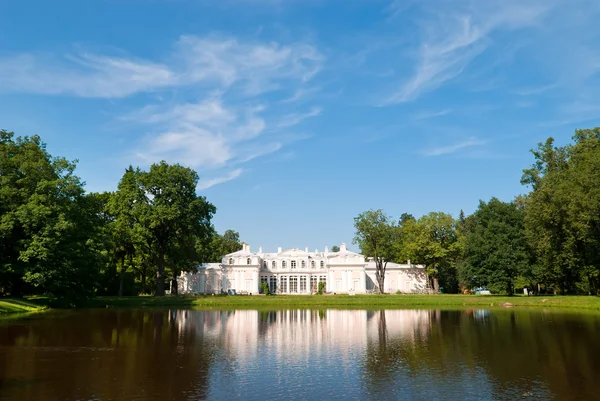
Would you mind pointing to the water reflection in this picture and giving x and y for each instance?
(303, 354)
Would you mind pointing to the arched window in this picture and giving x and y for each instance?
(322, 264)
(293, 264)
(283, 264)
(312, 264)
(273, 264)
(248, 261)
(265, 265)
(303, 264)
(230, 261)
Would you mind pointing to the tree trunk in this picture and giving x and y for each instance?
(121, 275)
(380, 276)
(160, 275)
(436, 285)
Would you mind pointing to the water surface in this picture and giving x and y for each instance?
(300, 354)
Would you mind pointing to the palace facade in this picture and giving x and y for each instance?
(296, 271)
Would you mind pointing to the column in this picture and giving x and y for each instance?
(307, 284)
(256, 281)
(331, 281)
(363, 281)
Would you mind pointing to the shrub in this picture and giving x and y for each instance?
(265, 288)
(321, 288)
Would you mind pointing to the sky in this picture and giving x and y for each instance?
(298, 115)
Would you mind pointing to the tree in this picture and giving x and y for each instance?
(335, 248)
(495, 247)
(124, 206)
(562, 213)
(175, 216)
(45, 223)
(376, 235)
(432, 241)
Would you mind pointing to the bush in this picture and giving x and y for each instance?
(321, 288)
(264, 288)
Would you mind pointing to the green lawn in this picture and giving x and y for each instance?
(22, 305)
(591, 303)
(346, 301)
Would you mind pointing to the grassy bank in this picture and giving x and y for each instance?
(346, 301)
(22, 305)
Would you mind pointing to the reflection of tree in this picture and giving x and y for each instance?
(519, 352)
(107, 354)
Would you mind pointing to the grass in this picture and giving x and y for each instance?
(441, 301)
(22, 305)
(346, 301)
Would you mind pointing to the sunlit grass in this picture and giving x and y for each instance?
(347, 301)
(22, 305)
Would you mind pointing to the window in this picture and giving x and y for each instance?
(283, 264)
(313, 283)
(323, 279)
(302, 284)
(248, 261)
(283, 283)
(273, 265)
(230, 261)
(312, 264)
(265, 265)
(263, 279)
(293, 264)
(293, 283)
(273, 283)
(303, 264)
(322, 265)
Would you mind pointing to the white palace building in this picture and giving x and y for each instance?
(296, 271)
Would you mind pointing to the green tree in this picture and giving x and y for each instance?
(562, 213)
(432, 241)
(45, 222)
(495, 248)
(377, 237)
(335, 248)
(124, 206)
(175, 216)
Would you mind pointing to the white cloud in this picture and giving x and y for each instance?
(432, 114)
(445, 150)
(211, 182)
(222, 129)
(211, 60)
(452, 37)
(296, 118)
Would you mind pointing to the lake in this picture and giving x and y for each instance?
(110, 354)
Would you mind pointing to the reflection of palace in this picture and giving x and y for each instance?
(298, 333)
(296, 271)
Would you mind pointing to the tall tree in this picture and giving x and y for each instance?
(432, 241)
(377, 236)
(124, 206)
(495, 247)
(44, 222)
(335, 248)
(173, 213)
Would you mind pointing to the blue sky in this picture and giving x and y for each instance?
(299, 115)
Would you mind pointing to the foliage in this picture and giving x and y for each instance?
(47, 224)
(562, 213)
(264, 288)
(377, 235)
(335, 248)
(321, 287)
(495, 249)
(432, 240)
(55, 239)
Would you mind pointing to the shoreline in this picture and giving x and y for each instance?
(11, 306)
